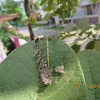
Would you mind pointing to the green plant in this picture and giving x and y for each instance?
(81, 26)
(6, 24)
(81, 29)
(90, 63)
(68, 28)
(10, 7)
(36, 4)
(30, 20)
(62, 8)
(90, 31)
(20, 76)
(13, 32)
(8, 45)
(94, 1)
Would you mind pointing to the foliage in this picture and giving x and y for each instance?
(94, 1)
(11, 31)
(94, 45)
(81, 26)
(68, 28)
(90, 63)
(81, 29)
(62, 8)
(63, 35)
(79, 41)
(20, 18)
(10, 7)
(6, 24)
(90, 45)
(20, 77)
(76, 48)
(8, 45)
(97, 45)
(33, 7)
(9, 4)
(76, 45)
(30, 20)
(36, 5)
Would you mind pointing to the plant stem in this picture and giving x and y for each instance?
(26, 5)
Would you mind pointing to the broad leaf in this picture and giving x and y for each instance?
(68, 28)
(60, 7)
(91, 31)
(97, 27)
(83, 23)
(81, 26)
(90, 62)
(20, 77)
(76, 48)
(97, 45)
(76, 45)
(64, 36)
(79, 41)
(90, 45)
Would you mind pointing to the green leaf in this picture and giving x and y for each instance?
(79, 41)
(97, 45)
(50, 4)
(90, 45)
(76, 48)
(94, 1)
(68, 28)
(91, 31)
(76, 45)
(63, 36)
(60, 7)
(42, 2)
(82, 25)
(97, 27)
(62, 33)
(20, 77)
(90, 62)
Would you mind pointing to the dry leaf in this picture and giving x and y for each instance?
(36, 52)
(38, 56)
(46, 75)
(60, 69)
(38, 60)
(42, 61)
(36, 41)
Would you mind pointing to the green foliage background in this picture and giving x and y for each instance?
(8, 45)
(62, 8)
(83, 32)
(10, 7)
